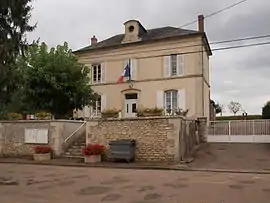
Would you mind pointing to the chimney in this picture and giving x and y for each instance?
(93, 40)
(200, 23)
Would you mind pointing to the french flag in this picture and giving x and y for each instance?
(126, 73)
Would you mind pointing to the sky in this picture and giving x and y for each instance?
(239, 75)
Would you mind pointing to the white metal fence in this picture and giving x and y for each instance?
(241, 131)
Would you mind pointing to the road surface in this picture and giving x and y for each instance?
(54, 184)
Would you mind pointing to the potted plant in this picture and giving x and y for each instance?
(110, 113)
(181, 112)
(43, 115)
(92, 153)
(147, 112)
(42, 153)
(14, 116)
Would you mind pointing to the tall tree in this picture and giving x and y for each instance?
(234, 107)
(14, 24)
(53, 80)
(266, 111)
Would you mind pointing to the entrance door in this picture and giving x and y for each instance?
(131, 105)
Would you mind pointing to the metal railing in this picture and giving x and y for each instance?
(74, 132)
(239, 127)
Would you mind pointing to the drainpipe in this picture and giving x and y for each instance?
(201, 30)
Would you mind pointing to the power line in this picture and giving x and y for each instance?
(241, 39)
(214, 13)
(192, 52)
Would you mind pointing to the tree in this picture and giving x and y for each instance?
(14, 24)
(52, 81)
(218, 107)
(266, 111)
(234, 107)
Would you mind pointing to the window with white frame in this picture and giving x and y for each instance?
(96, 107)
(96, 73)
(173, 64)
(171, 101)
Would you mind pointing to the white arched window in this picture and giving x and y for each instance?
(171, 101)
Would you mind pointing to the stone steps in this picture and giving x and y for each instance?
(75, 151)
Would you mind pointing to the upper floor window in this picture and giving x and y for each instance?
(171, 101)
(173, 65)
(96, 73)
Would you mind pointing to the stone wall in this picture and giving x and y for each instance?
(157, 139)
(12, 136)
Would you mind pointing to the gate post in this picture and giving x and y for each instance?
(229, 131)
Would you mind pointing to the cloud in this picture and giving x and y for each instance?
(236, 74)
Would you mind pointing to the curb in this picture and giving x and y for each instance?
(138, 167)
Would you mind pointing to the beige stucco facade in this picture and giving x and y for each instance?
(149, 77)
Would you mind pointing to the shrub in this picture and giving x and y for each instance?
(149, 112)
(110, 113)
(41, 149)
(93, 149)
(14, 116)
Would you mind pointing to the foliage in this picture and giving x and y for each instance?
(14, 24)
(14, 116)
(266, 111)
(110, 113)
(218, 107)
(93, 149)
(42, 149)
(43, 115)
(234, 107)
(53, 80)
(181, 112)
(143, 112)
(248, 117)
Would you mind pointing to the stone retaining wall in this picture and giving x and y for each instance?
(157, 139)
(12, 137)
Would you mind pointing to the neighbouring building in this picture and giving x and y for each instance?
(167, 67)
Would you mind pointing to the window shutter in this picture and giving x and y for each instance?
(103, 102)
(103, 72)
(86, 111)
(90, 73)
(167, 66)
(182, 99)
(133, 70)
(160, 99)
(180, 64)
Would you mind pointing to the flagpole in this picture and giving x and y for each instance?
(129, 69)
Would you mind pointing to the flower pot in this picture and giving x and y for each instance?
(42, 157)
(92, 159)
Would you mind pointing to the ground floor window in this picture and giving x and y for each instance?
(96, 108)
(171, 101)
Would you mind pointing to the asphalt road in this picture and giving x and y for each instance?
(53, 184)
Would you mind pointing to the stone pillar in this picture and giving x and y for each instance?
(1, 138)
(56, 137)
(202, 129)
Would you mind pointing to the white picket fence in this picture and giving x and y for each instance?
(239, 131)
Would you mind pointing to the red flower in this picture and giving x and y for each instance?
(93, 149)
(42, 149)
